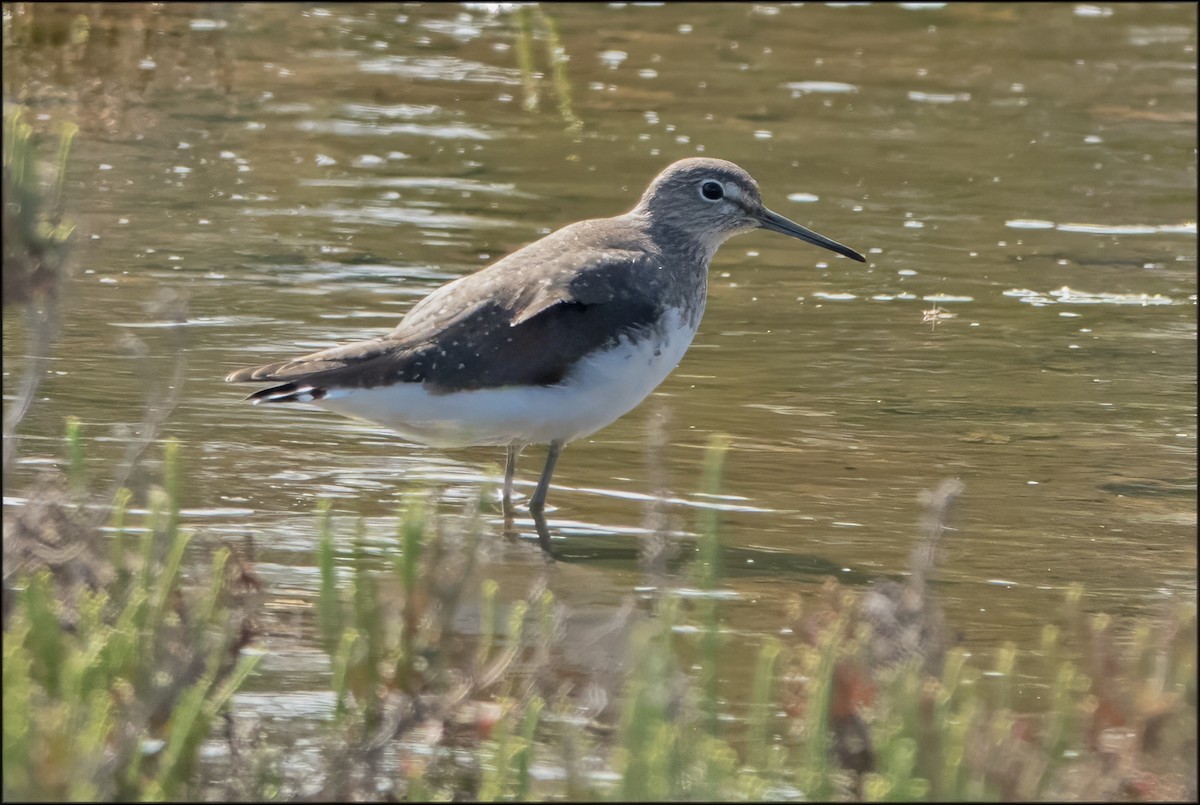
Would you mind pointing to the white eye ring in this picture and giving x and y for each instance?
(712, 190)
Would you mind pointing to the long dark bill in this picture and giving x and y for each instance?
(777, 223)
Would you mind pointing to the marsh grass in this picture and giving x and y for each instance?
(533, 23)
(833, 711)
(35, 242)
(115, 677)
(114, 669)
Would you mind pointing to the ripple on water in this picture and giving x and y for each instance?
(1109, 229)
(612, 58)
(580, 528)
(1092, 11)
(799, 88)
(229, 512)
(297, 108)
(888, 297)
(422, 183)
(1186, 228)
(201, 24)
(353, 128)
(385, 215)
(199, 321)
(1071, 296)
(455, 29)
(938, 97)
(415, 280)
(441, 68)
(402, 111)
(297, 704)
(734, 504)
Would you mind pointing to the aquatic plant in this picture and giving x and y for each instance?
(532, 23)
(35, 238)
(114, 670)
(835, 710)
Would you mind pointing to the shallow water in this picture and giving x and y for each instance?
(298, 176)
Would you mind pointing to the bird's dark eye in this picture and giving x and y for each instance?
(712, 191)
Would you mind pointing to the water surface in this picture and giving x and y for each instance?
(254, 181)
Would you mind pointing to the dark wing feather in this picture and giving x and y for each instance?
(524, 320)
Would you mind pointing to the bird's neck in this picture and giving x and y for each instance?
(683, 261)
(678, 239)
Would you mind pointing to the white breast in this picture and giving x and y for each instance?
(601, 388)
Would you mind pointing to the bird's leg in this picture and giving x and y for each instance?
(510, 468)
(538, 501)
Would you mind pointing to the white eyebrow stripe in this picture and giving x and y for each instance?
(732, 191)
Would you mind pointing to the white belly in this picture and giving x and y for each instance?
(603, 387)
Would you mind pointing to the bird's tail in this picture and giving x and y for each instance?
(291, 392)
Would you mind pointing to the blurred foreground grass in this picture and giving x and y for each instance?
(863, 701)
(115, 673)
